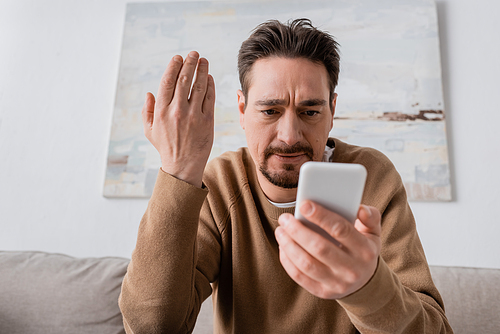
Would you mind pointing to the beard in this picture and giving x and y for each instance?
(288, 177)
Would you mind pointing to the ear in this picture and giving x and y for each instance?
(241, 108)
(334, 104)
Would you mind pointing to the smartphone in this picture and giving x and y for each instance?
(336, 186)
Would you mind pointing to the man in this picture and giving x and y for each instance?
(227, 228)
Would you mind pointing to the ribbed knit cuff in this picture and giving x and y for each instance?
(379, 291)
(172, 194)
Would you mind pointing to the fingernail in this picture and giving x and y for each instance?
(278, 232)
(367, 210)
(306, 208)
(284, 219)
(193, 54)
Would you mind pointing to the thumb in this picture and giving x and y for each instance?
(369, 220)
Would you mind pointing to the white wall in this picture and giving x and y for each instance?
(58, 69)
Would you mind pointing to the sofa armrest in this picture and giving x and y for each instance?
(471, 298)
(54, 293)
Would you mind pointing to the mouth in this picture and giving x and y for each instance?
(286, 155)
(290, 158)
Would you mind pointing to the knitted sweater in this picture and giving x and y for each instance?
(219, 240)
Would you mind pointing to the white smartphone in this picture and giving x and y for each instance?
(336, 186)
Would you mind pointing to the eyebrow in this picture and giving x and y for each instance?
(270, 102)
(312, 103)
(277, 102)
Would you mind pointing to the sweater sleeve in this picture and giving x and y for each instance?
(400, 297)
(385, 305)
(164, 288)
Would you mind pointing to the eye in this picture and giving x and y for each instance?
(310, 113)
(269, 112)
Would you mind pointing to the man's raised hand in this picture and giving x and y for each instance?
(180, 122)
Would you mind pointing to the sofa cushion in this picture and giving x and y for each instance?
(54, 293)
(471, 298)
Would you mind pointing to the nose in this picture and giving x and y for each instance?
(289, 131)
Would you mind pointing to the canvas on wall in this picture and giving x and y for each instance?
(389, 94)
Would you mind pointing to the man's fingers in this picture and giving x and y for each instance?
(209, 99)
(308, 272)
(312, 242)
(300, 256)
(168, 81)
(148, 110)
(186, 75)
(298, 276)
(200, 83)
(368, 221)
(340, 270)
(334, 224)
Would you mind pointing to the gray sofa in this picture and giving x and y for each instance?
(43, 293)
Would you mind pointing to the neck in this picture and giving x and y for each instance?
(275, 193)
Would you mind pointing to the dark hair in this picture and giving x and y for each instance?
(296, 39)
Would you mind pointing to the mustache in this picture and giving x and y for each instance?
(287, 149)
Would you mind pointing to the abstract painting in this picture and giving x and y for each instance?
(390, 93)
